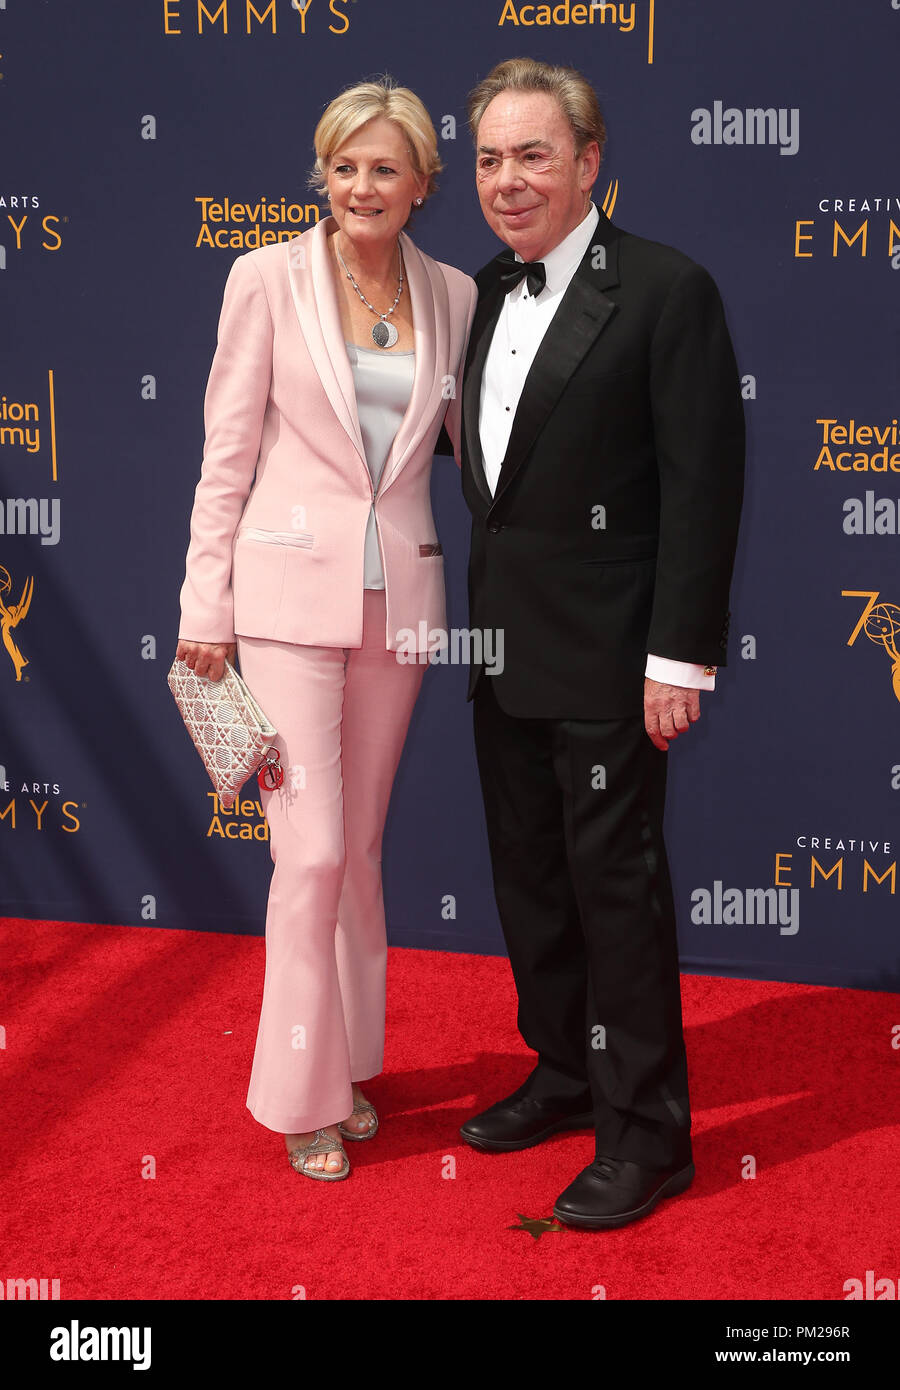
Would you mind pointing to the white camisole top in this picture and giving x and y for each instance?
(383, 382)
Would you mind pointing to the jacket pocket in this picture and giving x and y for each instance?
(256, 533)
(430, 548)
(625, 550)
(620, 559)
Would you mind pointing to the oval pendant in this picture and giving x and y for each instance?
(384, 334)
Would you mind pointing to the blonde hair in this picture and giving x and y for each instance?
(364, 102)
(570, 88)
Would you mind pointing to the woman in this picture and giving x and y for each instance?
(313, 553)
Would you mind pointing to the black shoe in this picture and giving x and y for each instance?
(612, 1192)
(519, 1122)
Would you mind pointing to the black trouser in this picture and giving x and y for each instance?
(574, 814)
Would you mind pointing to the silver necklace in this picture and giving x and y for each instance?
(384, 334)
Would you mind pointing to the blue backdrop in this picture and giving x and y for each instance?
(758, 138)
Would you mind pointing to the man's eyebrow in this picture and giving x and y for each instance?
(517, 149)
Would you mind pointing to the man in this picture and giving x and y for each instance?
(602, 446)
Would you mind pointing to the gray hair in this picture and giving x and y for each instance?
(570, 88)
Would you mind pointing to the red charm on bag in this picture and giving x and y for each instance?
(270, 774)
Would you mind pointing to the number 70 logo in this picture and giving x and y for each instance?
(881, 624)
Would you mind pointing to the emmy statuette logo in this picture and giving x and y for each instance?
(11, 614)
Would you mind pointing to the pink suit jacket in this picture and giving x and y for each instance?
(280, 512)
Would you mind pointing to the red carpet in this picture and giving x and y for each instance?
(123, 1043)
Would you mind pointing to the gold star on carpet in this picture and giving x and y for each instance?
(535, 1226)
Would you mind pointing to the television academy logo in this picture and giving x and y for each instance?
(614, 18)
(245, 820)
(28, 427)
(228, 223)
(851, 446)
(21, 427)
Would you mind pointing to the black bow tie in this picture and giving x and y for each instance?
(536, 272)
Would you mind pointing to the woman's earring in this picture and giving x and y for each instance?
(419, 202)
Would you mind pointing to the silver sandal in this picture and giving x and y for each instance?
(322, 1142)
(358, 1107)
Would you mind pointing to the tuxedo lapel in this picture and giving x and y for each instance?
(584, 312)
(490, 302)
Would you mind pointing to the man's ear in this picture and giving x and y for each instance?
(590, 165)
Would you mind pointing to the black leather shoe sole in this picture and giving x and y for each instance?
(585, 1121)
(678, 1182)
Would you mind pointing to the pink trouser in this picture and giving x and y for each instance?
(341, 715)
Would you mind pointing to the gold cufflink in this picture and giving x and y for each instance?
(710, 670)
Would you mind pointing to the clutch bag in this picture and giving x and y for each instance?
(229, 730)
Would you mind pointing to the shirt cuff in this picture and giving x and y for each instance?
(684, 673)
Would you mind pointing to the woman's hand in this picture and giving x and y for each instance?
(206, 658)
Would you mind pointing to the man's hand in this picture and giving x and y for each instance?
(206, 658)
(669, 710)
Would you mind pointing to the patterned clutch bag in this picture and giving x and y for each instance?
(230, 731)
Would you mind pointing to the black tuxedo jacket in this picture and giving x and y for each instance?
(613, 528)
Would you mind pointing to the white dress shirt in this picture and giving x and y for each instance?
(524, 319)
